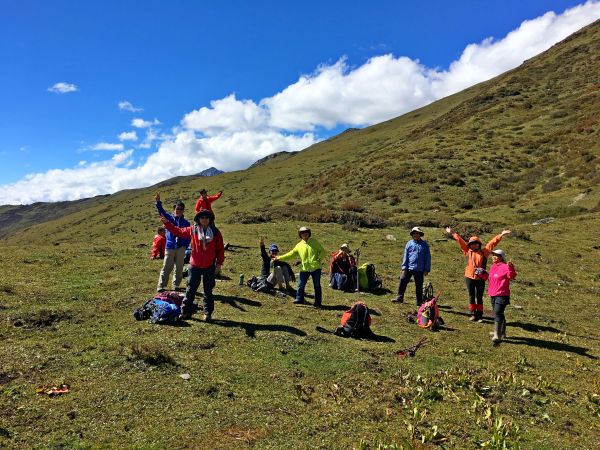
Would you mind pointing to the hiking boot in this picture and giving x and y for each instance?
(398, 300)
(298, 302)
(185, 316)
(179, 289)
(207, 318)
(496, 337)
(161, 290)
(503, 330)
(318, 305)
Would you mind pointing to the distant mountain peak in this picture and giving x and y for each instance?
(210, 172)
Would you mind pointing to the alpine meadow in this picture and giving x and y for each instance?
(518, 152)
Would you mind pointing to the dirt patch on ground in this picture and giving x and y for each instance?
(44, 318)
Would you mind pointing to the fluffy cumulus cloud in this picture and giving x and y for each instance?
(231, 133)
(63, 88)
(141, 123)
(128, 136)
(127, 106)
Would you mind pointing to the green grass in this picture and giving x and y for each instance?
(504, 153)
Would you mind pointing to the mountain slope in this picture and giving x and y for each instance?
(519, 147)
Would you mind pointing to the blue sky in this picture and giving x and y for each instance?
(224, 83)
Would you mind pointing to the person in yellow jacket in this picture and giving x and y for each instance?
(311, 253)
(477, 256)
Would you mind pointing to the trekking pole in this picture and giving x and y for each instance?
(357, 252)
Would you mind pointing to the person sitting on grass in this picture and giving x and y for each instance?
(158, 244)
(342, 268)
(207, 246)
(205, 201)
(310, 252)
(175, 247)
(282, 271)
(476, 264)
(500, 275)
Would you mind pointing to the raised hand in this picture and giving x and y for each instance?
(510, 263)
(505, 232)
(262, 241)
(449, 230)
(157, 197)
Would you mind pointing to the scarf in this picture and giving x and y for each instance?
(204, 236)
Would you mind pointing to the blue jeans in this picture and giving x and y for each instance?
(303, 279)
(195, 276)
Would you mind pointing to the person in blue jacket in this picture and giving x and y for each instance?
(416, 263)
(175, 248)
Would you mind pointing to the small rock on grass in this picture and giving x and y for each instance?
(185, 376)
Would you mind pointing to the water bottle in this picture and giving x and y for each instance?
(241, 279)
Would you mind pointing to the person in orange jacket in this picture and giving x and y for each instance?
(159, 243)
(205, 201)
(476, 256)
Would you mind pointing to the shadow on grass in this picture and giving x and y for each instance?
(235, 301)
(373, 337)
(550, 345)
(533, 327)
(252, 328)
(378, 292)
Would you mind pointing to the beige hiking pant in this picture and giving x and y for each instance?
(173, 257)
(279, 276)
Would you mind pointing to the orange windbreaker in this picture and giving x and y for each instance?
(476, 258)
(206, 204)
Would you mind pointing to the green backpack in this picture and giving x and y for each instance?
(367, 278)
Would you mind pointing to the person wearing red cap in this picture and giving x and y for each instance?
(477, 256)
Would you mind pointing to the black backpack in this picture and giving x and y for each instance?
(374, 281)
(260, 284)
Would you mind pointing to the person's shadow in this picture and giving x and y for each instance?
(370, 337)
(533, 327)
(550, 345)
(235, 301)
(252, 328)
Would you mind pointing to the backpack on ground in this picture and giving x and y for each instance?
(367, 277)
(356, 322)
(428, 315)
(260, 284)
(158, 311)
(173, 297)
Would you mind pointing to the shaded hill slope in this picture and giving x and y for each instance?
(516, 148)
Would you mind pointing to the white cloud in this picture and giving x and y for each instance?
(63, 88)
(128, 136)
(232, 133)
(226, 115)
(141, 123)
(127, 106)
(108, 146)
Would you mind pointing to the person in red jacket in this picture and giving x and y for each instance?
(476, 256)
(159, 243)
(205, 201)
(207, 247)
(500, 275)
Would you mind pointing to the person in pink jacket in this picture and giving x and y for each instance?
(499, 278)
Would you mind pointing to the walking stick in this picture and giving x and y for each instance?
(357, 253)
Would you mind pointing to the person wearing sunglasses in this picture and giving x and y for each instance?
(175, 248)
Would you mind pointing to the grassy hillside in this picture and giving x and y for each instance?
(504, 153)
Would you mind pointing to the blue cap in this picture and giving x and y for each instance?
(273, 247)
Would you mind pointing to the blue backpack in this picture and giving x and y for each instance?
(158, 311)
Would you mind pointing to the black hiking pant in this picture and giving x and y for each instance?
(405, 278)
(475, 289)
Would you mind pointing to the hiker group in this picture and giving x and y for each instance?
(203, 244)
